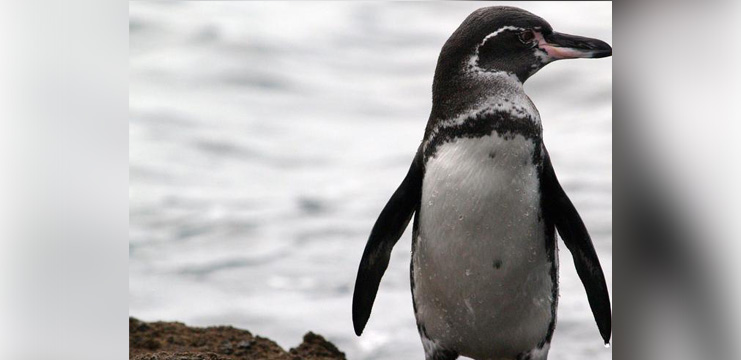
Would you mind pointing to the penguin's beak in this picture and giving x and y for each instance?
(564, 46)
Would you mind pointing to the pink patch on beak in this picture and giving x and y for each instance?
(557, 52)
(562, 53)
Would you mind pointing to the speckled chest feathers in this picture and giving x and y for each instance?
(483, 269)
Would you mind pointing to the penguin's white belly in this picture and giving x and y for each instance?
(482, 281)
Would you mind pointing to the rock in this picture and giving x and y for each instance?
(316, 347)
(244, 344)
(176, 341)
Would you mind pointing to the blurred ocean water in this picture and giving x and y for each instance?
(265, 138)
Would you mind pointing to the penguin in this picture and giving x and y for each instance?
(486, 201)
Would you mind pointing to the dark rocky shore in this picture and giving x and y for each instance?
(176, 341)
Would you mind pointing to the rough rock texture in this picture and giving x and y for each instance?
(176, 341)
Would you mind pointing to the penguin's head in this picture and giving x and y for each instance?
(511, 41)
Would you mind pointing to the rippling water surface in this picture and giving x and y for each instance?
(266, 137)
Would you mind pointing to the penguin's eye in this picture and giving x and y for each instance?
(526, 36)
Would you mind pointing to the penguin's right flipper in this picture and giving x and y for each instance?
(389, 227)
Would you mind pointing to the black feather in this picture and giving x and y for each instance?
(574, 234)
(386, 232)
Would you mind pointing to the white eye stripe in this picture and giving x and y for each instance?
(473, 61)
(499, 31)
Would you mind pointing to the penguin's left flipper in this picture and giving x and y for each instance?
(574, 234)
(387, 230)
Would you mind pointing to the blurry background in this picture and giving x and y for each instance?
(265, 138)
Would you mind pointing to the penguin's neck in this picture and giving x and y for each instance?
(489, 106)
(481, 93)
(470, 88)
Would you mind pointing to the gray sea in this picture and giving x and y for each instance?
(265, 138)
